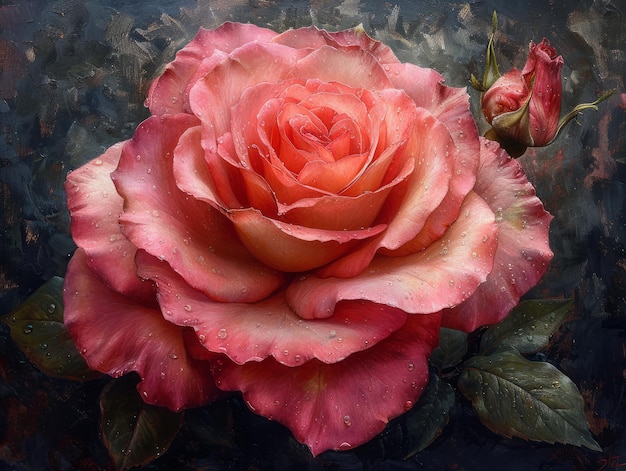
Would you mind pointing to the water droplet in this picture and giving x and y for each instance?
(347, 421)
(28, 328)
(187, 307)
(411, 366)
(173, 356)
(222, 334)
(332, 334)
(98, 162)
(52, 308)
(138, 157)
(408, 405)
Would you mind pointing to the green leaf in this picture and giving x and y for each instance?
(451, 350)
(429, 416)
(38, 330)
(528, 326)
(515, 397)
(135, 433)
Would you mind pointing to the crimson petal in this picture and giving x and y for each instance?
(324, 404)
(253, 331)
(117, 335)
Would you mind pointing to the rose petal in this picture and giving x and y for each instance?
(451, 107)
(212, 97)
(313, 38)
(410, 204)
(353, 67)
(292, 248)
(95, 206)
(117, 335)
(438, 277)
(523, 251)
(545, 102)
(253, 331)
(169, 93)
(345, 404)
(197, 241)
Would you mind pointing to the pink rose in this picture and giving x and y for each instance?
(296, 221)
(525, 106)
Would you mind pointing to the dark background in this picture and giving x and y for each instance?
(73, 77)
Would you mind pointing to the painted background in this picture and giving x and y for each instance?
(73, 78)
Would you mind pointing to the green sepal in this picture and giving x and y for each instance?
(515, 125)
(579, 109)
(492, 71)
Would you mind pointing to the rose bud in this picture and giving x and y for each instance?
(525, 106)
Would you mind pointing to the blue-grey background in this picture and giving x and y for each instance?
(73, 77)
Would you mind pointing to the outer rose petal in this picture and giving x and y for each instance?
(314, 38)
(196, 240)
(248, 332)
(523, 251)
(117, 335)
(545, 104)
(169, 93)
(95, 206)
(440, 276)
(354, 67)
(326, 405)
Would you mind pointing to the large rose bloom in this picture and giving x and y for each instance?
(296, 221)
